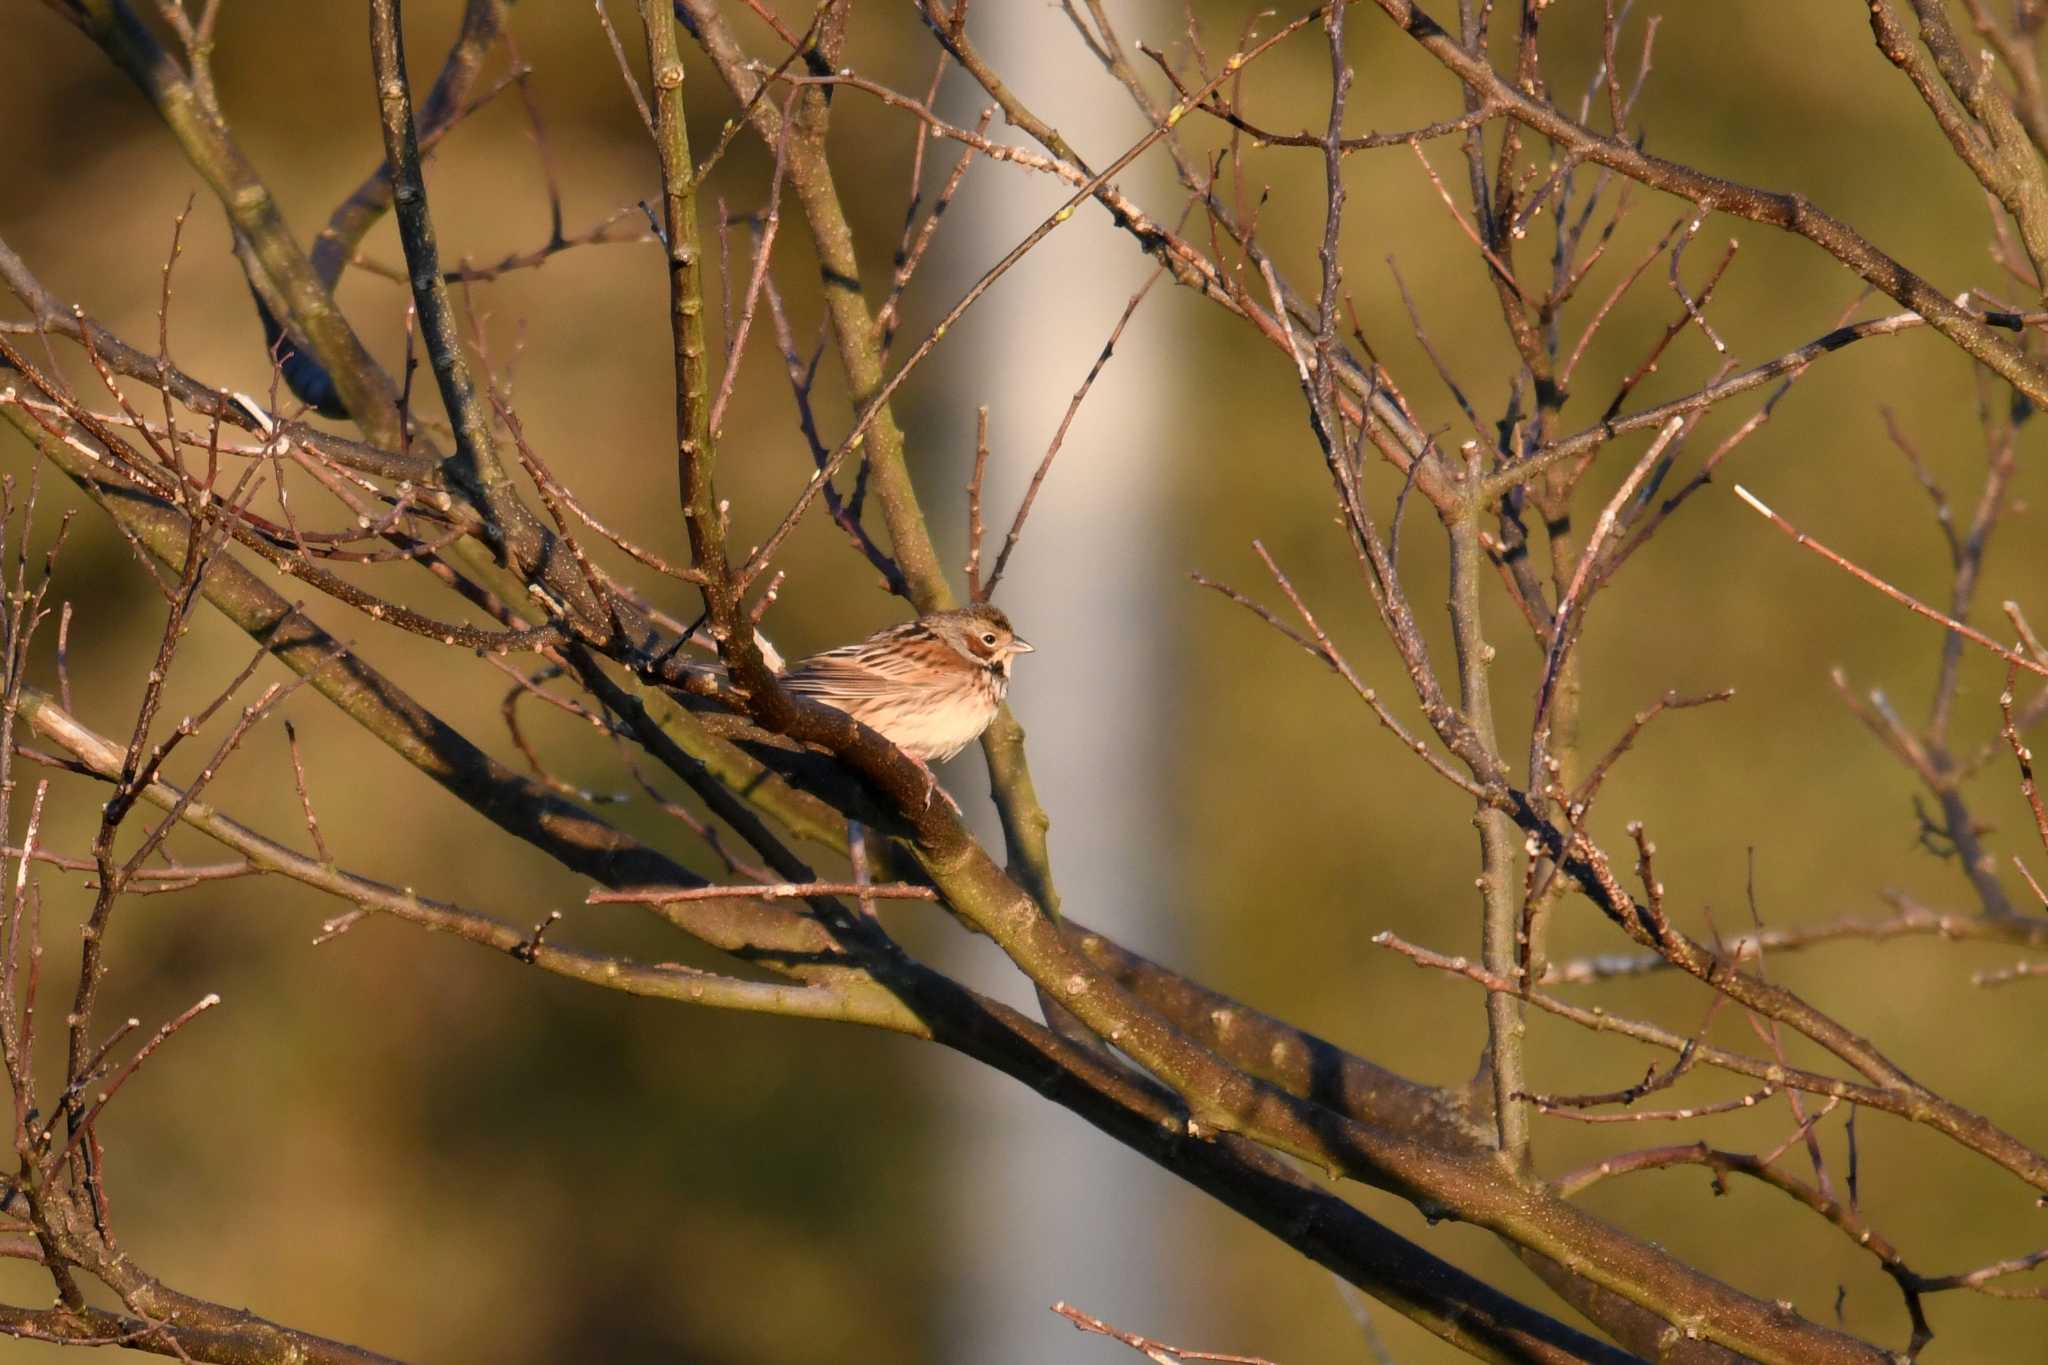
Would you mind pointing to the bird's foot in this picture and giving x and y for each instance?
(931, 785)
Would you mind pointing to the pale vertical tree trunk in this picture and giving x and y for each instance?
(1042, 1208)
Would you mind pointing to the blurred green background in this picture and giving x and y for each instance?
(418, 1147)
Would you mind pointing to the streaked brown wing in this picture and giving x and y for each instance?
(882, 665)
(837, 675)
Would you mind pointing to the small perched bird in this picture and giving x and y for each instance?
(929, 686)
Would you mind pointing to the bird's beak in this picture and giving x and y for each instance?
(1020, 645)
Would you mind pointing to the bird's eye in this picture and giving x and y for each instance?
(988, 639)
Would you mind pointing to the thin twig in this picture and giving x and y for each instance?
(1157, 1351)
(662, 895)
(1913, 604)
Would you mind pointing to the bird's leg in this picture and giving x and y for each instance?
(931, 784)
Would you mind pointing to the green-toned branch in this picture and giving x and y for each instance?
(695, 454)
(1500, 916)
(371, 397)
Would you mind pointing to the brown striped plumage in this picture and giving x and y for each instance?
(929, 686)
